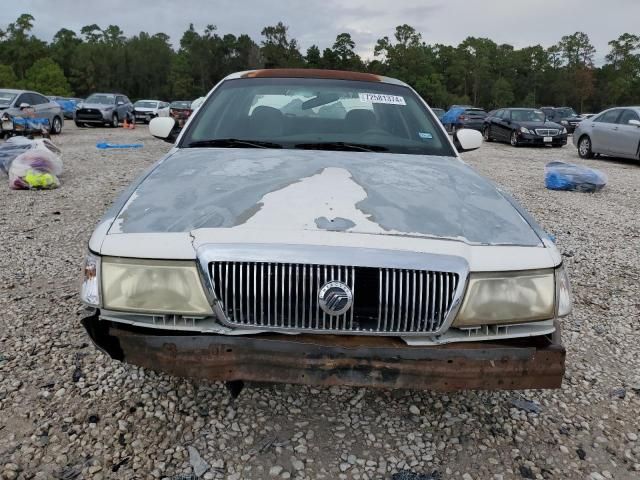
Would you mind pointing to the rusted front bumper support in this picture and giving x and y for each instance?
(536, 362)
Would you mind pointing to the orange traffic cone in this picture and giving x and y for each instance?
(125, 124)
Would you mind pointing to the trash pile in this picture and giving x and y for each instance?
(568, 176)
(31, 164)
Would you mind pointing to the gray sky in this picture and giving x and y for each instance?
(517, 22)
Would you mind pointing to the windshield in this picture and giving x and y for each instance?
(528, 115)
(102, 99)
(318, 114)
(145, 104)
(181, 104)
(567, 112)
(6, 98)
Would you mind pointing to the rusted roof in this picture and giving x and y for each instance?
(312, 73)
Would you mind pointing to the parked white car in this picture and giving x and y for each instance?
(320, 227)
(197, 103)
(614, 132)
(146, 110)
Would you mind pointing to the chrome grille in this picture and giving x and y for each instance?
(547, 132)
(284, 296)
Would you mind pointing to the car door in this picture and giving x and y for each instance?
(503, 127)
(44, 107)
(604, 130)
(627, 137)
(121, 107)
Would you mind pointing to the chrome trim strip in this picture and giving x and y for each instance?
(399, 261)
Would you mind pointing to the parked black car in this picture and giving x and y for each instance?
(565, 116)
(523, 126)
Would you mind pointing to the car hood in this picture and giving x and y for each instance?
(145, 109)
(351, 192)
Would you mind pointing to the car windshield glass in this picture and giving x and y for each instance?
(567, 112)
(322, 114)
(145, 104)
(101, 99)
(475, 112)
(180, 104)
(6, 98)
(528, 115)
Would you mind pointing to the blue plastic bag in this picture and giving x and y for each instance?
(572, 177)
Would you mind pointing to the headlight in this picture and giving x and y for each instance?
(153, 286)
(107, 109)
(564, 122)
(524, 130)
(508, 297)
(90, 289)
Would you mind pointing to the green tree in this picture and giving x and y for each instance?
(20, 49)
(502, 94)
(46, 76)
(278, 50)
(63, 49)
(344, 52)
(8, 79)
(313, 57)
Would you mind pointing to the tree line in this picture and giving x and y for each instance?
(478, 71)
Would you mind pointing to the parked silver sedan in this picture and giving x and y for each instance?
(614, 132)
(16, 103)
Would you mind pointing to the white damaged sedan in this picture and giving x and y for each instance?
(319, 227)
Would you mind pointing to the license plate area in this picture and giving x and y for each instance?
(547, 139)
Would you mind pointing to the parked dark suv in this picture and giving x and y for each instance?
(104, 109)
(523, 126)
(460, 116)
(565, 116)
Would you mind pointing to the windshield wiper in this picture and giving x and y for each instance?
(233, 143)
(358, 147)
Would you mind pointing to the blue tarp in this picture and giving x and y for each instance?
(452, 115)
(568, 176)
(30, 123)
(68, 105)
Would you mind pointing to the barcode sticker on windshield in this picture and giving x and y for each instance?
(381, 98)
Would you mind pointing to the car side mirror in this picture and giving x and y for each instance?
(468, 139)
(635, 123)
(162, 127)
(24, 105)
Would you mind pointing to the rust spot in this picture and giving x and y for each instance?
(312, 73)
(533, 363)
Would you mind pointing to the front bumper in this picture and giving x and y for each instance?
(527, 363)
(529, 139)
(145, 116)
(93, 116)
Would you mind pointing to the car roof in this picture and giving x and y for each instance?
(12, 90)
(315, 73)
(521, 108)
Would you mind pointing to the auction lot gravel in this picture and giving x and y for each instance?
(67, 411)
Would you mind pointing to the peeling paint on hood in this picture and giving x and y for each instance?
(351, 192)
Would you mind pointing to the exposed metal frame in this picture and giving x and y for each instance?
(337, 256)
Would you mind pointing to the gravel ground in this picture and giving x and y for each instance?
(68, 411)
